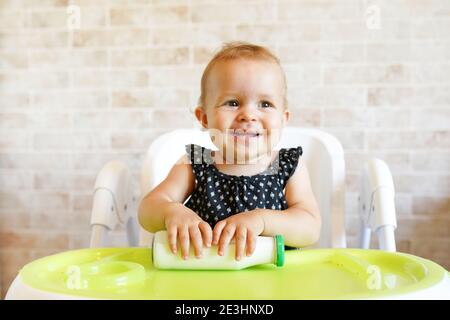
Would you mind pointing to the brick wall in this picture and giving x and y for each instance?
(73, 99)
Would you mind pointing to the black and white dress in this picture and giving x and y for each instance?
(217, 195)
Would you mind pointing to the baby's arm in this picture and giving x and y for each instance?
(162, 208)
(299, 224)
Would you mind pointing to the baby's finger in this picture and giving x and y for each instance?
(251, 243)
(240, 239)
(206, 231)
(225, 238)
(172, 235)
(183, 235)
(196, 240)
(218, 231)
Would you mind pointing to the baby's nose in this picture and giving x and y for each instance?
(247, 114)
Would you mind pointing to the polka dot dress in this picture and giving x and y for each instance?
(217, 195)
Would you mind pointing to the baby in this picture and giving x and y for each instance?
(245, 188)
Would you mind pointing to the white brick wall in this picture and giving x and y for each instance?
(71, 100)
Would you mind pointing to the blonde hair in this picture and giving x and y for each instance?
(239, 50)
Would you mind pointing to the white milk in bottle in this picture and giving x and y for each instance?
(267, 250)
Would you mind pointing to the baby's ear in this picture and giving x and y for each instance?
(201, 116)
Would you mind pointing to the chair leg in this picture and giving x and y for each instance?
(386, 238)
(132, 232)
(99, 236)
(377, 205)
(364, 236)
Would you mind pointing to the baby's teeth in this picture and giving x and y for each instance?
(246, 134)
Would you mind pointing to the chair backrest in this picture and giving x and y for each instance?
(322, 154)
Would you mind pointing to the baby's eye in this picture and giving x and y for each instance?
(266, 104)
(231, 103)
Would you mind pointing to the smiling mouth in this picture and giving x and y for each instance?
(246, 134)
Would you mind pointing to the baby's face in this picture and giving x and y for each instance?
(245, 106)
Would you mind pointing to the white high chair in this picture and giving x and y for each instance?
(114, 201)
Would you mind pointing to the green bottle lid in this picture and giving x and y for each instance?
(279, 241)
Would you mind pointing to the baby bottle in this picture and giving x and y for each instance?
(267, 250)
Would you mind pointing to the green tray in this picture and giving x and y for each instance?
(128, 273)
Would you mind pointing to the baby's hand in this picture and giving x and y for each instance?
(188, 227)
(244, 227)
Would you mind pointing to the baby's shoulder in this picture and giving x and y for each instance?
(291, 153)
(289, 157)
(184, 159)
(198, 155)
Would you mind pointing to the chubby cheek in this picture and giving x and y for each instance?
(274, 128)
(221, 121)
(217, 125)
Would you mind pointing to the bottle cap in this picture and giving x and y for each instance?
(279, 242)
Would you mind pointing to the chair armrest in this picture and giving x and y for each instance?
(113, 201)
(377, 205)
